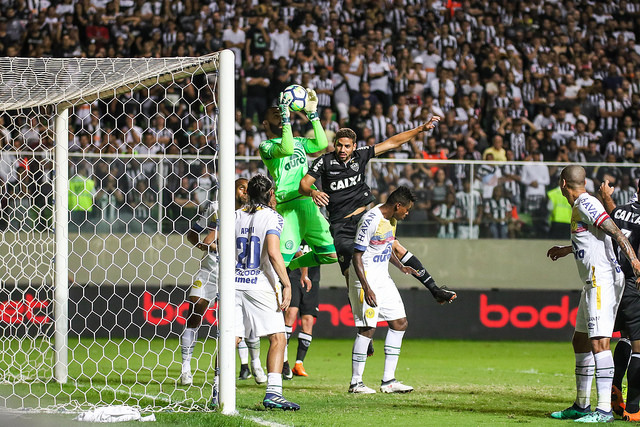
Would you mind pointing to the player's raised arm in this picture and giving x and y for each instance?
(320, 141)
(397, 140)
(275, 256)
(277, 117)
(605, 192)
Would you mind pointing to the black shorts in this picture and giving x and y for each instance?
(344, 232)
(628, 317)
(306, 302)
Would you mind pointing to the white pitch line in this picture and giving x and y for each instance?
(264, 422)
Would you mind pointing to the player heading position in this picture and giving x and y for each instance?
(259, 303)
(204, 290)
(376, 295)
(628, 318)
(286, 159)
(592, 247)
(346, 195)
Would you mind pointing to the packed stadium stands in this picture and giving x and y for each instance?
(529, 81)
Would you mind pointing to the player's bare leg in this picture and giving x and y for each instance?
(188, 338)
(392, 345)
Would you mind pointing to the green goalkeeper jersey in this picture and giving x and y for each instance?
(286, 159)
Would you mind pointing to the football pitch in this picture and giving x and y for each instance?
(456, 383)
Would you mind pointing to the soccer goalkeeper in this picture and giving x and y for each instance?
(286, 159)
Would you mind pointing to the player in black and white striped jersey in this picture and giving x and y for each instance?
(610, 113)
(323, 85)
(497, 212)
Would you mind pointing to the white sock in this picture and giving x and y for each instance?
(359, 357)
(254, 350)
(274, 383)
(187, 342)
(604, 379)
(243, 352)
(287, 330)
(584, 377)
(392, 345)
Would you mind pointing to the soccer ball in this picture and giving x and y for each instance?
(298, 96)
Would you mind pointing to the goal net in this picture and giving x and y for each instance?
(104, 164)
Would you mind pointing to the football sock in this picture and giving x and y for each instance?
(633, 390)
(187, 342)
(287, 330)
(274, 383)
(621, 356)
(392, 345)
(584, 377)
(604, 379)
(304, 341)
(216, 379)
(359, 357)
(243, 352)
(423, 276)
(253, 345)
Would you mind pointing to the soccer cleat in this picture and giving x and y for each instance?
(360, 388)
(571, 413)
(444, 295)
(370, 349)
(597, 416)
(298, 370)
(245, 373)
(286, 371)
(617, 400)
(259, 375)
(634, 417)
(186, 378)
(275, 401)
(395, 386)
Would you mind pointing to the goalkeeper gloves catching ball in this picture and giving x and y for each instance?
(311, 108)
(283, 106)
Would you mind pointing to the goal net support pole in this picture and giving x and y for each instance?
(226, 236)
(61, 262)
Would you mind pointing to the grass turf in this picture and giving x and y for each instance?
(456, 383)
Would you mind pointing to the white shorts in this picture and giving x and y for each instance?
(390, 305)
(599, 305)
(205, 284)
(257, 314)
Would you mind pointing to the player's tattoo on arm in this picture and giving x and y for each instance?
(612, 230)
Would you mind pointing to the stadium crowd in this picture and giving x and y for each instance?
(534, 80)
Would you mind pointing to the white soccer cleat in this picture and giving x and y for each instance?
(360, 388)
(259, 375)
(186, 378)
(395, 386)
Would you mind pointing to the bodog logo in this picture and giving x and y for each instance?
(527, 316)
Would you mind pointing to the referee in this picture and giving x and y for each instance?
(346, 196)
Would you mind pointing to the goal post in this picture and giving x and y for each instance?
(100, 307)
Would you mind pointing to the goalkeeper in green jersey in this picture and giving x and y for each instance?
(286, 158)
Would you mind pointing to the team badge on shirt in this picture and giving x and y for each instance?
(355, 166)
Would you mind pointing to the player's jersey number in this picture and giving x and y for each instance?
(249, 256)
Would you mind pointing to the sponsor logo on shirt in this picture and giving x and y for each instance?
(345, 183)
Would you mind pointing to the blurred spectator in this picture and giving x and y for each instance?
(446, 214)
(497, 213)
(469, 204)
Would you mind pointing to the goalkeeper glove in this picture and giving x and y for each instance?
(311, 108)
(283, 106)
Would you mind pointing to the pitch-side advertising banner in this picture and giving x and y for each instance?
(117, 311)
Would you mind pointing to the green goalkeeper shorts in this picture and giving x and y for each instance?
(303, 221)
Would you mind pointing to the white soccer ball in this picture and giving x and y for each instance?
(298, 96)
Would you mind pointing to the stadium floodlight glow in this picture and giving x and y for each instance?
(94, 264)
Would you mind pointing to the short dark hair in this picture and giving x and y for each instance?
(258, 192)
(346, 133)
(402, 195)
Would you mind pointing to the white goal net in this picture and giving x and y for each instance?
(104, 164)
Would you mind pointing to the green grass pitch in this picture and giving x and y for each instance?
(456, 383)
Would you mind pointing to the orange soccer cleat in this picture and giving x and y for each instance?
(617, 401)
(635, 417)
(298, 370)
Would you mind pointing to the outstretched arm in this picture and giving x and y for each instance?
(320, 198)
(397, 140)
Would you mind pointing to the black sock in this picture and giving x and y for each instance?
(288, 331)
(633, 377)
(423, 276)
(304, 341)
(244, 366)
(621, 356)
